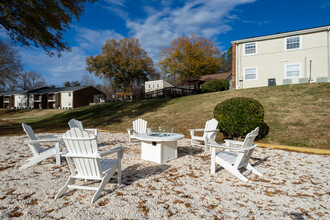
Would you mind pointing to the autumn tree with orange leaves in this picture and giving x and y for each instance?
(124, 63)
(190, 57)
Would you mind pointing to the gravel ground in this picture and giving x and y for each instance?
(294, 186)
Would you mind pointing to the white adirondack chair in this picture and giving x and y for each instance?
(209, 132)
(235, 158)
(139, 127)
(85, 162)
(40, 154)
(73, 123)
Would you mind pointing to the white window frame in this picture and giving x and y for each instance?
(250, 68)
(294, 77)
(249, 54)
(69, 94)
(69, 103)
(300, 43)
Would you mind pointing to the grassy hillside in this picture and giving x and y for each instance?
(298, 115)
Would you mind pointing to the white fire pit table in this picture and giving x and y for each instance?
(159, 147)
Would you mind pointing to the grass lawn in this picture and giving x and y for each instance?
(298, 115)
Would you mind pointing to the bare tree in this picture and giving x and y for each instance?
(30, 80)
(107, 88)
(10, 65)
(87, 80)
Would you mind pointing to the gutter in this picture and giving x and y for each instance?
(285, 34)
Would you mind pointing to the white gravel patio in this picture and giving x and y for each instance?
(294, 186)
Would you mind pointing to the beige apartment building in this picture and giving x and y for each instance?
(293, 57)
(156, 85)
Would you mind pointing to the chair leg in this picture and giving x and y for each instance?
(213, 160)
(104, 182)
(119, 173)
(192, 142)
(129, 141)
(249, 167)
(239, 175)
(234, 171)
(58, 153)
(70, 181)
(34, 161)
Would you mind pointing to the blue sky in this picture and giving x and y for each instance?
(157, 22)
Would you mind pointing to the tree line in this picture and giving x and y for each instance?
(122, 64)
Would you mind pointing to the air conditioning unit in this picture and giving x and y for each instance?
(271, 82)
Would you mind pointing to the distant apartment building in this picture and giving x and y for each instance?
(51, 98)
(14, 99)
(156, 85)
(293, 57)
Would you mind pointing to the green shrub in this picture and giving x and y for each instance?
(239, 116)
(215, 85)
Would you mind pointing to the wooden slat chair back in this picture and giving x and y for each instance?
(209, 132)
(83, 157)
(243, 158)
(139, 127)
(210, 125)
(74, 123)
(85, 162)
(235, 155)
(40, 154)
(35, 147)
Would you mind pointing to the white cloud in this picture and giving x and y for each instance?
(325, 4)
(202, 17)
(91, 39)
(71, 66)
(116, 2)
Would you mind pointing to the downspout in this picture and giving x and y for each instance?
(310, 71)
(237, 69)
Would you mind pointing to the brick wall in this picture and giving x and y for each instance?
(12, 101)
(57, 100)
(84, 96)
(44, 101)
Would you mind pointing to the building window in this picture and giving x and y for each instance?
(250, 73)
(293, 43)
(153, 86)
(149, 86)
(69, 103)
(250, 48)
(69, 93)
(292, 70)
(157, 85)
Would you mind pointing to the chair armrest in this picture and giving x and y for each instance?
(115, 150)
(192, 131)
(42, 141)
(224, 147)
(212, 130)
(129, 130)
(228, 142)
(198, 129)
(95, 130)
(46, 136)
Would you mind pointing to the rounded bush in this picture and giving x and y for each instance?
(239, 116)
(215, 85)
